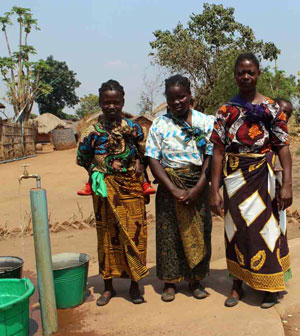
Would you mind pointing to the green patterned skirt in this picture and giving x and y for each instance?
(183, 232)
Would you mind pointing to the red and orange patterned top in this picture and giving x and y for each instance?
(236, 134)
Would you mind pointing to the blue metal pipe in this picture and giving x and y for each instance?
(18, 159)
(39, 210)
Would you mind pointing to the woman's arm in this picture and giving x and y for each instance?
(286, 193)
(138, 167)
(162, 177)
(194, 192)
(280, 140)
(216, 201)
(85, 151)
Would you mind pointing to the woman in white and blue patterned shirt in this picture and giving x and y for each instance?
(179, 149)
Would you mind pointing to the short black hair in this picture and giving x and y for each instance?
(283, 100)
(246, 57)
(111, 85)
(177, 80)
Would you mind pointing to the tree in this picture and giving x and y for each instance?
(88, 105)
(145, 104)
(205, 51)
(277, 84)
(271, 83)
(21, 76)
(149, 94)
(63, 83)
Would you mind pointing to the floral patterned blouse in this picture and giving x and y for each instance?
(110, 149)
(236, 134)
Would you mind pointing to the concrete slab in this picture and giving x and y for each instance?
(185, 315)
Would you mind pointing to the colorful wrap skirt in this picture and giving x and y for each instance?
(183, 231)
(256, 243)
(121, 228)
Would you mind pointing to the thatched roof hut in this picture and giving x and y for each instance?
(96, 116)
(145, 120)
(47, 122)
(161, 107)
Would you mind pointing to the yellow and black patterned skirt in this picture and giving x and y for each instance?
(121, 228)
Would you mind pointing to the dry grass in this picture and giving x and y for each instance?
(293, 216)
(75, 222)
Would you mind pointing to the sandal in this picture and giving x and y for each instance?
(104, 299)
(269, 300)
(232, 301)
(198, 290)
(136, 296)
(168, 293)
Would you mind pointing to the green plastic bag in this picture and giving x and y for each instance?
(98, 184)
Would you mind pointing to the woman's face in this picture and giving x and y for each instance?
(246, 76)
(111, 103)
(178, 100)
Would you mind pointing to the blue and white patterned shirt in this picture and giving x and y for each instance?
(166, 141)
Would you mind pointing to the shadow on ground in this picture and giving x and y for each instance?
(218, 281)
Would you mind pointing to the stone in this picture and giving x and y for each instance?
(39, 147)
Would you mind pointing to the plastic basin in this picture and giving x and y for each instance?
(70, 271)
(14, 306)
(11, 267)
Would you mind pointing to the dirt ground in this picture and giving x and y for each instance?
(291, 323)
(61, 177)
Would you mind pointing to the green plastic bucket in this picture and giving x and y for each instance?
(14, 306)
(70, 271)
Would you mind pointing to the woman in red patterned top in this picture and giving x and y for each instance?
(247, 132)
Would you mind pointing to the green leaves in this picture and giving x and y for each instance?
(205, 51)
(20, 11)
(5, 21)
(88, 105)
(277, 84)
(17, 70)
(29, 22)
(7, 63)
(48, 82)
(62, 80)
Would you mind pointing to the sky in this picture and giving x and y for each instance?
(101, 40)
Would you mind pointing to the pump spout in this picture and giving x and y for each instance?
(26, 175)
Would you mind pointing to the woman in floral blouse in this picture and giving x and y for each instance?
(108, 151)
(247, 132)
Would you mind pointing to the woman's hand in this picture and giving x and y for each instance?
(191, 195)
(285, 196)
(138, 167)
(217, 204)
(178, 193)
(286, 193)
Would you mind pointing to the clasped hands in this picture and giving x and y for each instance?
(186, 195)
